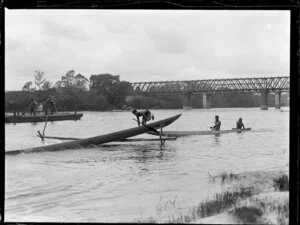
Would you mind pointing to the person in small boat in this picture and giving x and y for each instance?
(146, 116)
(240, 124)
(51, 106)
(33, 107)
(217, 125)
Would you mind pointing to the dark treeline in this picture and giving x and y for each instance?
(106, 92)
(76, 99)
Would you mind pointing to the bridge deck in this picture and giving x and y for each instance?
(263, 84)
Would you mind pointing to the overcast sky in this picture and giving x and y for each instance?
(145, 45)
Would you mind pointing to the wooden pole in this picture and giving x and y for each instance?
(147, 139)
(46, 120)
(61, 138)
(123, 140)
(42, 136)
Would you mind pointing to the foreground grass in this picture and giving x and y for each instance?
(256, 197)
(282, 183)
(250, 214)
(217, 204)
(265, 208)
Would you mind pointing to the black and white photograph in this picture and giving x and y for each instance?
(147, 116)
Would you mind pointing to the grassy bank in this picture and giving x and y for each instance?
(253, 197)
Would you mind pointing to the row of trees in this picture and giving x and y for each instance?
(106, 92)
(69, 80)
(72, 91)
(39, 81)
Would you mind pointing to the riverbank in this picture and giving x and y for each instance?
(250, 197)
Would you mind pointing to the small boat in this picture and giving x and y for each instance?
(123, 108)
(189, 133)
(41, 117)
(284, 110)
(111, 137)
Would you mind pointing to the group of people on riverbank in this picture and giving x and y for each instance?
(146, 116)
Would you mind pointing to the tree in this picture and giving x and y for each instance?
(39, 78)
(46, 85)
(26, 86)
(72, 81)
(110, 86)
(69, 78)
(59, 84)
(81, 81)
(103, 81)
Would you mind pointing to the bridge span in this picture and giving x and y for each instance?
(207, 88)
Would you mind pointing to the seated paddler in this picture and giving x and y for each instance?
(240, 124)
(145, 114)
(217, 125)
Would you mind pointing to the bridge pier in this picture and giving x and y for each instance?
(277, 100)
(187, 101)
(206, 101)
(264, 100)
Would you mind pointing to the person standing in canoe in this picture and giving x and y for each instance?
(146, 116)
(50, 106)
(32, 107)
(217, 125)
(240, 124)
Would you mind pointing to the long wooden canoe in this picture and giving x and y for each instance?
(42, 118)
(189, 133)
(115, 136)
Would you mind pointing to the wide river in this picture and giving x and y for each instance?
(125, 182)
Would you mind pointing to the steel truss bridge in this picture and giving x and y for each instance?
(213, 86)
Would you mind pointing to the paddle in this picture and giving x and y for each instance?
(162, 142)
(150, 128)
(46, 120)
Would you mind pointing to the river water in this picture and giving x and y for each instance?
(125, 182)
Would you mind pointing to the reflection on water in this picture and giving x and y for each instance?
(115, 181)
(217, 139)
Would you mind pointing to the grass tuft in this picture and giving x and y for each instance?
(224, 177)
(222, 201)
(263, 209)
(248, 214)
(282, 183)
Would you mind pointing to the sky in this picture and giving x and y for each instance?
(146, 45)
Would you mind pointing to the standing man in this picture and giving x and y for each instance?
(217, 125)
(52, 106)
(146, 116)
(32, 107)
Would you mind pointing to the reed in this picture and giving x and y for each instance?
(224, 177)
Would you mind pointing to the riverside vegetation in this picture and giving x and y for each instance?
(106, 92)
(251, 197)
